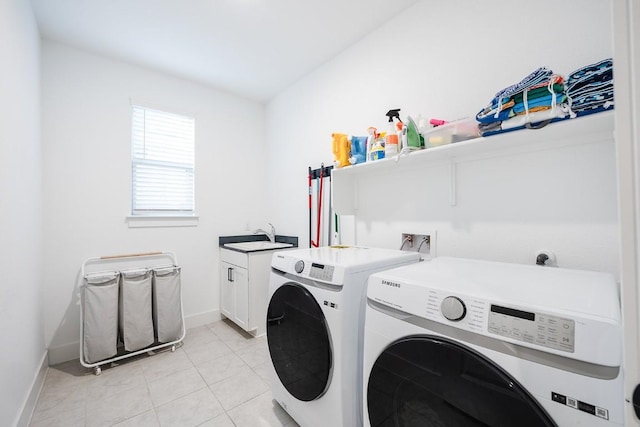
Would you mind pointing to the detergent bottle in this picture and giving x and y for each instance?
(377, 151)
(391, 140)
(358, 149)
(341, 146)
(370, 139)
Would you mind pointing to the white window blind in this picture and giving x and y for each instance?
(162, 163)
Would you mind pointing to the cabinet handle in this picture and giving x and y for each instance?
(230, 274)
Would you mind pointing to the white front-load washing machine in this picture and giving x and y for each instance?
(314, 330)
(457, 342)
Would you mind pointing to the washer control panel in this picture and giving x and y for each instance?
(321, 272)
(536, 328)
(453, 308)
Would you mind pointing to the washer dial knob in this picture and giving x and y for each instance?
(299, 267)
(453, 308)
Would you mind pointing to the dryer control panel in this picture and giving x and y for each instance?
(479, 315)
(569, 313)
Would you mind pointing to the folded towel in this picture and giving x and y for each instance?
(534, 120)
(542, 101)
(591, 87)
(538, 76)
(545, 92)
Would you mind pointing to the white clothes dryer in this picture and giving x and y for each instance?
(457, 342)
(314, 330)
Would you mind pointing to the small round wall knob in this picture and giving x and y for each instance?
(453, 308)
(299, 267)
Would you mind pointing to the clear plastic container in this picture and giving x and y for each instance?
(456, 131)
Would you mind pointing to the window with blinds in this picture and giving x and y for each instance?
(162, 163)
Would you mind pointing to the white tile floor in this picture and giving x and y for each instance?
(218, 377)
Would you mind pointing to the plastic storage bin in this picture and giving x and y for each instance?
(456, 131)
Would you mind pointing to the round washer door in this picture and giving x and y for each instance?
(298, 338)
(433, 381)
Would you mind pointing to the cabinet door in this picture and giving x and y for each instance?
(240, 277)
(227, 291)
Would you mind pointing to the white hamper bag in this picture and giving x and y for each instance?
(167, 304)
(136, 322)
(100, 317)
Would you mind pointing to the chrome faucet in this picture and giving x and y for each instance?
(271, 235)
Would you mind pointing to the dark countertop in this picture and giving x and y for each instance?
(222, 240)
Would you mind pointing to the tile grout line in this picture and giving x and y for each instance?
(85, 420)
(250, 368)
(146, 383)
(226, 335)
(209, 385)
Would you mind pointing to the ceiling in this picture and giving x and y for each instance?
(253, 48)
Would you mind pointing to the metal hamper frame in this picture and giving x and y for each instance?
(112, 258)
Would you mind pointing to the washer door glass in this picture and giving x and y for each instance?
(298, 339)
(432, 381)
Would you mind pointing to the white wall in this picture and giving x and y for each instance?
(21, 308)
(447, 60)
(87, 140)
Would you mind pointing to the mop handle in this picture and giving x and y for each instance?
(310, 191)
(319, 216)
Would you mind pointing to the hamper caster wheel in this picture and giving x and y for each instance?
(173, 348)
(97, 370)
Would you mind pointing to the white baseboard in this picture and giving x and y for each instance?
(202, 319)
(64, 353)
(70, 351)
(31, 400)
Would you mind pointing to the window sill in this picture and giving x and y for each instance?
(147, 221)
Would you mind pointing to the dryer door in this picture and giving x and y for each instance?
(298, 338)
(432, 381)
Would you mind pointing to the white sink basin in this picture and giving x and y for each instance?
(257, 246)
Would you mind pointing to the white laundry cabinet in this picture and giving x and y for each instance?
(244, 283)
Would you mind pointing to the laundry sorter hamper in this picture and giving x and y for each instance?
(129, 311)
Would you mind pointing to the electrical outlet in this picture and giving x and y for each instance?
(422, 243)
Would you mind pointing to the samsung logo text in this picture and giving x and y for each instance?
(392, 284)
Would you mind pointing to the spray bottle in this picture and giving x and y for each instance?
(391, 142)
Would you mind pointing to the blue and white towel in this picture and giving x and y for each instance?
(590, 88)
(538, 76)
(504, 105)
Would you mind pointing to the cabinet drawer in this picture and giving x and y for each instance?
(233, 257)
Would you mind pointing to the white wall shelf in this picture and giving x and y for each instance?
(582, 130)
